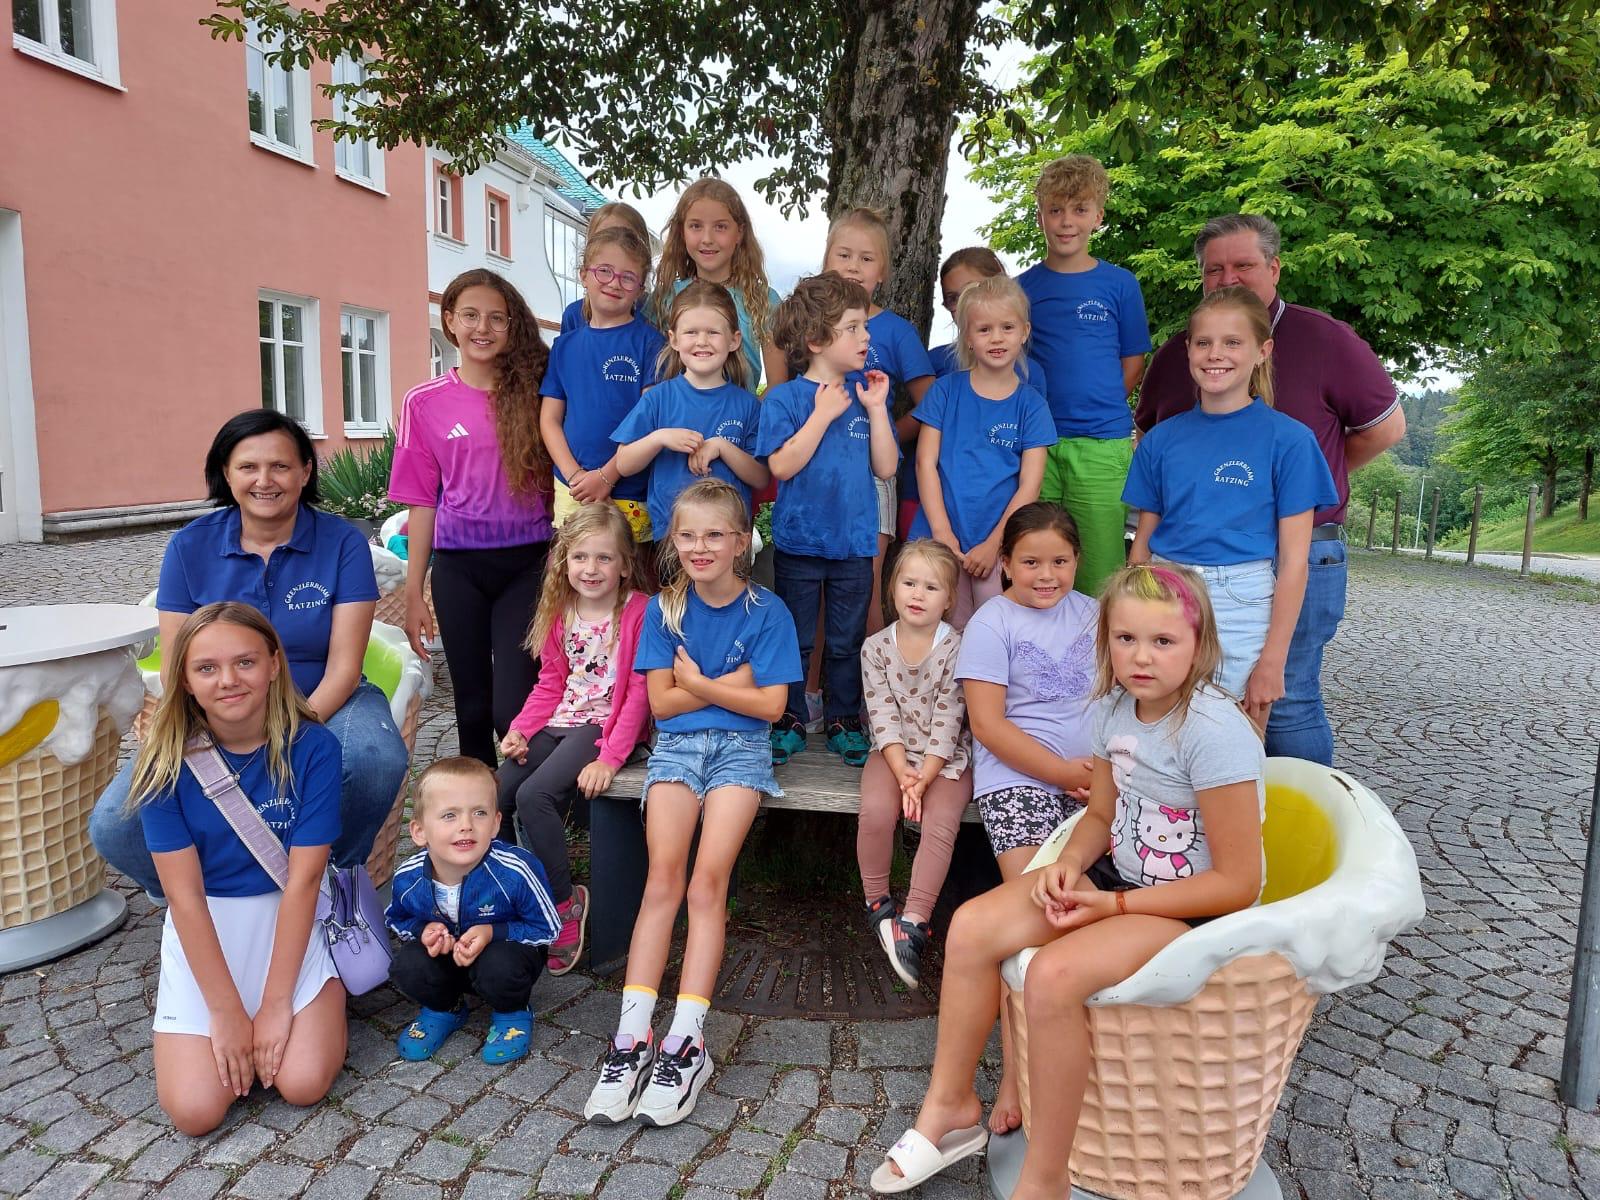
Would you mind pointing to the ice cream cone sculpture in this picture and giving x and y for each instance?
(61, 723)
(1190, 1054)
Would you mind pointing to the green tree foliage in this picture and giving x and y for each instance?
(650, 93)
(1515, 423)
(1425, 412)
(1431, 214)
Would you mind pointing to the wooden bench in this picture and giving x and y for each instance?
(813, 781)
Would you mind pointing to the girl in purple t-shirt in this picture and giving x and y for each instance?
(469, 462)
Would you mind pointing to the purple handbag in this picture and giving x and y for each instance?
(348, 911)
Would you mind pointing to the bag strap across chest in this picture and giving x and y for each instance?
(221, 786)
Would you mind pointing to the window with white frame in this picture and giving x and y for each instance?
(360, 159)
(80, 35)
(447, 202)
(441, 354)
(364, 369)
(279, 98)
(290, 380)
(497, 216)
(563, 245)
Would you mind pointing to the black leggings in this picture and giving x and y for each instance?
(540, 793)
(503, 974)
(485, 601)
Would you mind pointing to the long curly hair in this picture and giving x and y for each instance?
(519, 371)
(748, 273)
(557, 597)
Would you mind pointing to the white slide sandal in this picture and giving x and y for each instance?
(920, 1160)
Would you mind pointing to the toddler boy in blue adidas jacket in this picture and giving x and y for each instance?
(472, 915)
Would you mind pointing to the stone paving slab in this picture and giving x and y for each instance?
(1465, 699)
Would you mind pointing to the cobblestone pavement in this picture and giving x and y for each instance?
(1467, 700)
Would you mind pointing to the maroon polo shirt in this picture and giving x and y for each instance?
(1325, 377)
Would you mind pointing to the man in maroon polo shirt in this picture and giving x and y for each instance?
(1326, 377)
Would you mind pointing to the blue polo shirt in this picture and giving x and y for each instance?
(600, 374)
(727, 412)
(325, 562)
(829, 509)
(755, 628)
(303, 812)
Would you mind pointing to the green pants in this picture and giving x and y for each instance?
(1086, 476)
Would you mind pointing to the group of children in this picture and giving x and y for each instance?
(1000, 678)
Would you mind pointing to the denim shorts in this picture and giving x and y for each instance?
(708, 759)
(1241, 598)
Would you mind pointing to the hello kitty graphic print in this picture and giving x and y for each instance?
(1158, 835)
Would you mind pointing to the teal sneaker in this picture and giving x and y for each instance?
(788, 738)
(509, 1037)
(421, 1039)
(849, 742)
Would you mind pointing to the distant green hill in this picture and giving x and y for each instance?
(1561, 534)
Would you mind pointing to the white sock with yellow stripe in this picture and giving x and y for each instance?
(688, 1020)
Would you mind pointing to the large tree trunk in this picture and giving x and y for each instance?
(890, 116)
(1586, 483)
(1552, 462)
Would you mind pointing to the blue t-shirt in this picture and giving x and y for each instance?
(829, 509)
(747, 340)
(980, 451)
(727, 412)
(1084, 324)
(753, 628)
(1221, 483)
(572, 314)
(305, 812)
(895, 348)
(324, 563)
(600, 373)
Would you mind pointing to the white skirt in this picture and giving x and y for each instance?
(246, 926)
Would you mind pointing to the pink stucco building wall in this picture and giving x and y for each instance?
(151, 222)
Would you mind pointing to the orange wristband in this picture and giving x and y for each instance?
(1122, 903)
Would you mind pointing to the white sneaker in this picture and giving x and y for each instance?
(622, 1077)
(675, 1084)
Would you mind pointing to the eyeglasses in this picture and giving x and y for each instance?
(603, 274)
(712, 539)
(951, 299)
(472, 318)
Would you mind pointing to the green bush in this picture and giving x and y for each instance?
(355, 483)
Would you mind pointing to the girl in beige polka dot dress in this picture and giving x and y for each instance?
(920, 763)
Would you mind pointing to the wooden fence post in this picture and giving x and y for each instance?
(1372, 517)
(1433, 522)
(1527, 530)
(1394, 538)
(1477, 511)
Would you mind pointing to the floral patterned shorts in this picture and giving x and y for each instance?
(1023, 816)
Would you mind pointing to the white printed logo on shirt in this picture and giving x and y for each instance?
(732, 430)
(735, 657)
(859, 428)
(459, 430)
(1236, 472)
(307, 595)
(619, 368)
(1093, 310)
(1004, 435)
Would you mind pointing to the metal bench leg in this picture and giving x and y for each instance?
(618, 863)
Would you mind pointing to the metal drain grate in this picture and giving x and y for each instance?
(810, 980)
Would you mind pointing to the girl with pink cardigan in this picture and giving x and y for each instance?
(588, 710)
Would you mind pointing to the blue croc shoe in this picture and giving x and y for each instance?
(788, 738)
(510, 1035)
(422, 1038)
(847, 739)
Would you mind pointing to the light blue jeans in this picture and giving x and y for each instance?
(1241, 598)
(1299, 725)
(375, 761)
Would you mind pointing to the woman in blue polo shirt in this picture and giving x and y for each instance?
(310, 574)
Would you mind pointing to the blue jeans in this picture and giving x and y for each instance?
(800, 582)
(1299, 725)
(1241, 600)
(375, 762)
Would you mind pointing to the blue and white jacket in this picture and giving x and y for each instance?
(506, 890)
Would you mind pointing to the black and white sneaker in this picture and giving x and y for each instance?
(682, 1069)
(904, 943)
(622, 1078)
